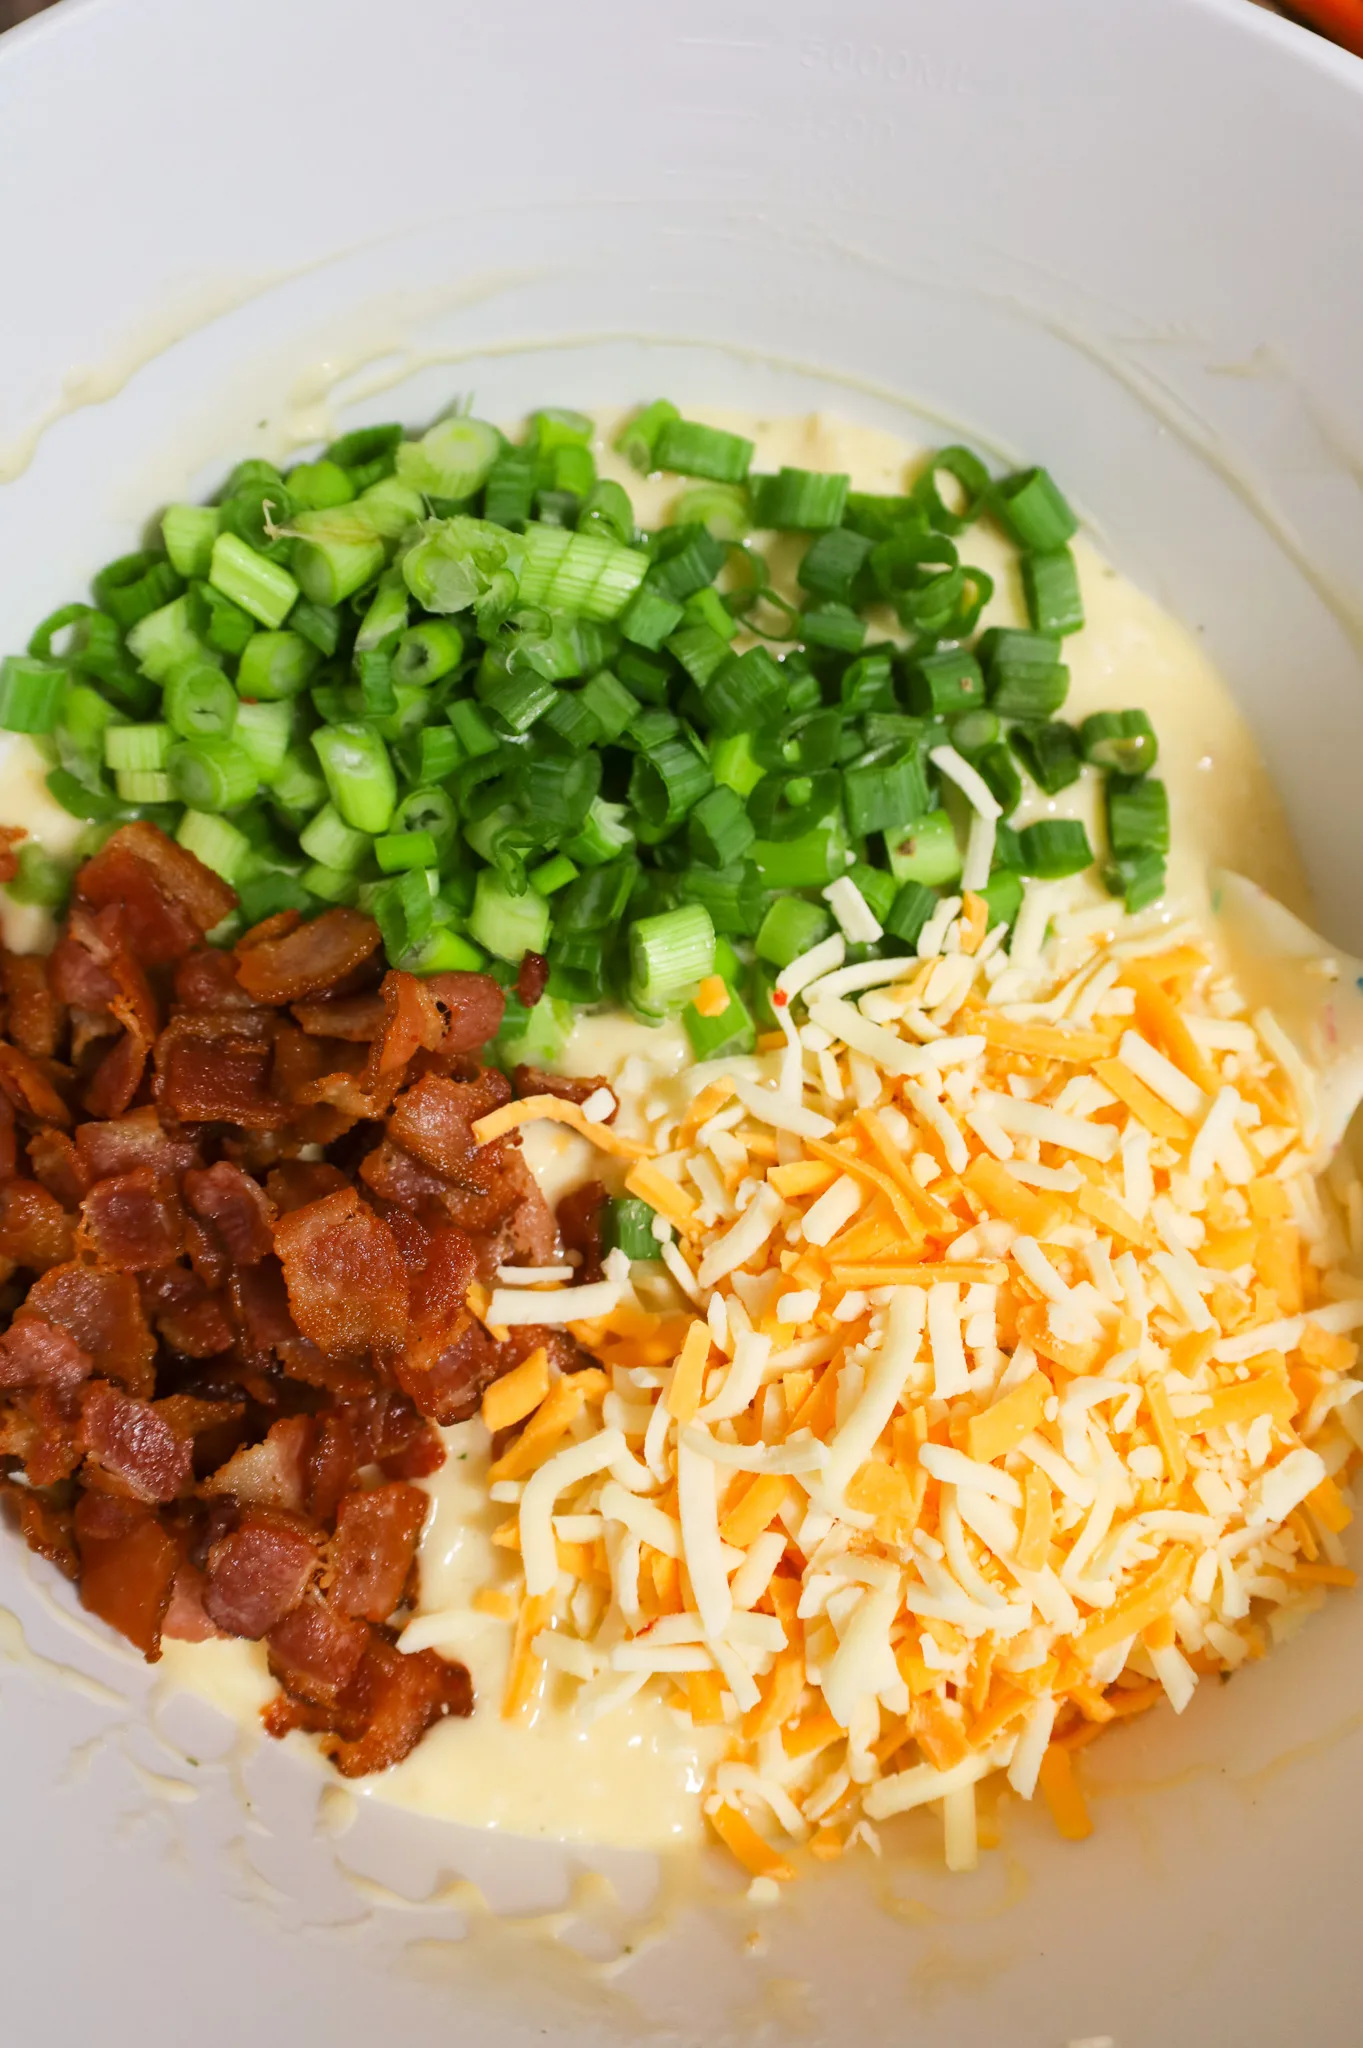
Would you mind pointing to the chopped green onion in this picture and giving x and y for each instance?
(162, 640)
(1032, 510)
(216, 842)
(138, 747)
(886, 796)
(583, 573)
(517, 700)
(1050, 754)
(1001, 778)
(40, 880)
(832, 563)
(714, 1037)
(444, 951)
(189, 532)
(404, 911)
(332, 885)
(338, 553)
(719, 828)
(1002, 897)
(876, 516)
(318, 486)
(804, 863)
(945, 683)
(666, 782)
(80, 798)
(1050, 583)
(1137, 877)
(471, 729)
(670, 953)
(650, 618)
(453, 460)
(199, 702)
(263, 732)
(638, 439)
(968, 473)
(426, 652)
(259, 586)
(389, 509)
(31, 693)
(1137, 815)
(223, 625)
(359, 775)
(144, 786)
(748, 690)
(799, 500)
(507, 926)
(790, 927)
(329, 840)
(628, 1227)
(690, 449)
(832, 625)
(211, 775)
(296, 784)
(439, 753)
(1120, 740)
(275, 665)
(913, 905)
(397, 851)
(734, 896)
(374, 674)
(878, 888)
(927, 852)
(510, 490)
(602, 837)
(135, 585)
(1054, 848)
(553, 875)
(387, 613)
(366, 452)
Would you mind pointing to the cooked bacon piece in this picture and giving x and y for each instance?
(346, 1280)
(532, 978)
(169, 900)
(37, 1353)
(530, 1225)
(117, 1078)
(315, 1653)
(58, 1165)
(186, 1617)
(413, 1022)
(259, 1571)
(404, 1444)
(581, 1226)
(47, 1529)
(396, 1177)
(371, 1555)
(402, 1697)
(128, 1561)
(474, 1006)
(236, 1206)
(133, 1222)
(10, 836)
(103, 1312)
(383, 1712)
(133, 1445)
(333, 1464)
(358, 1019)
(214, 1428)
(75, 966)
(31, 1088)
(447, 1384)
(433, 1120)
(268, 1332)
(35, 1230)
(9, 1144)
(206, 979)
(213, 1066)
(535, 1081)
(272, 1473)
(34, 1016)
(309, 959)
(126, 1142)
(186, 1313)
(296, 1182)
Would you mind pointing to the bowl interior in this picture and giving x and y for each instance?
(1115, 241)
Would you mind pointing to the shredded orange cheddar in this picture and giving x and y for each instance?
(1167, 1431)
(514, 1396)
(1109, 1214)
(526, 1668)
(1159, 1018)
(1032, 1211)
(553, 1109)
(1046, 1041)
(1152, 1596)
(688, 1376)
(704, 1698)
(712, 996)
(651, 1185)
(742, 1840)
(1330, 1508)
(1144, 1104)
(549, 1422)
(1243, 1401)
(756, 1509)
(1060, 1789)
(801, 1177)
(1001, 1427)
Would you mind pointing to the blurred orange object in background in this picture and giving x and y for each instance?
(1342, 19)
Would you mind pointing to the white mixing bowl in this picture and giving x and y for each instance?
(1120, 236)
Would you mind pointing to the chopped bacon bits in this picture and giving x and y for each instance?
(532, 978)
(243, 1195)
